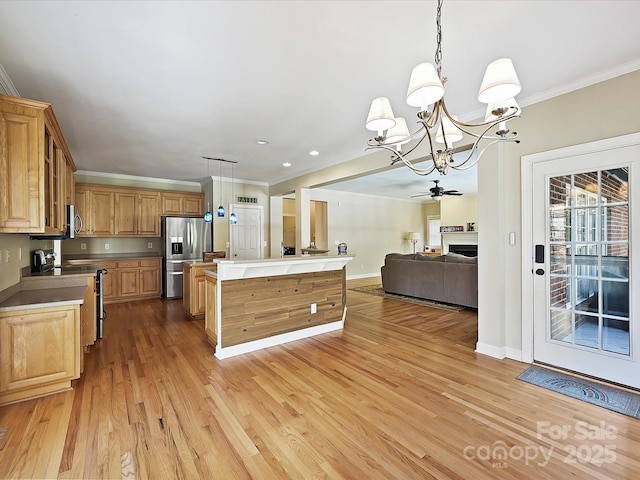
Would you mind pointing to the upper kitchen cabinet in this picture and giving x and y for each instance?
(34, 168)
(137, 213)
(96, 209)
(182, 204)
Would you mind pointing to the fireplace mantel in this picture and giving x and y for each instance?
(458, 238)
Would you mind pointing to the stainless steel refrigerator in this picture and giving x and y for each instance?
(184, 238)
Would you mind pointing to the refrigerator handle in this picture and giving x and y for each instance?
(191, 238)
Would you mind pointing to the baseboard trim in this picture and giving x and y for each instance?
(490, 350)
(499, 352)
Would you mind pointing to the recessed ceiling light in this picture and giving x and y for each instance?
(262, 142)
(286, 164)
(314, 153)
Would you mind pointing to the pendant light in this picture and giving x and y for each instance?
(220, 207)
(208, 217)
(233, 219)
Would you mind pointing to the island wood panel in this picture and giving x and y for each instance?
(258, 308)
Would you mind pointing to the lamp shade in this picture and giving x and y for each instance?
(452, 133)
(493, 109)
(380, 116)
(413, 236)
(399, 133)
(437, 198)
(500, 82)
(425, 87)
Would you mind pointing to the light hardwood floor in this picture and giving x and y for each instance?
(398, 394)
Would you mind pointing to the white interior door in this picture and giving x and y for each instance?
(585, 261)
(246, 235)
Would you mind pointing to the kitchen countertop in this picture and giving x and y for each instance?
(43, 298)
(110, 256)
(69, 270)
(197, 263)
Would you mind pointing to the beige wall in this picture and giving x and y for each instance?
(459, 210)
(13, 243)
(370, 226)
(604, 110)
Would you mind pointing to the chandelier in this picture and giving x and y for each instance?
(426, 88)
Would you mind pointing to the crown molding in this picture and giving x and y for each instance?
(6, 84)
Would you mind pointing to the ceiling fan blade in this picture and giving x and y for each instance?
(420, 195)
(452, 193)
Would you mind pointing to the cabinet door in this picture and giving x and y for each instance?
(109, 281)
(22, 168)
(126, 207)
(39, 347)
(150, 281)
(128, 284)
(101, 213)
(149, 214)
(81, 207)
(89, 326)
(193, 205)
(171, 204)
(201, 294)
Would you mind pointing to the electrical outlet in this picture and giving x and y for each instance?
(106, 246)
(314, 308)
(150, 245)
(7, 256)
(83, 246)
(20, 253)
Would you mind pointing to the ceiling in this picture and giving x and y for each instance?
(148, 88)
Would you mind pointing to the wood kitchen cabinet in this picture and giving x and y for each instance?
(39, 351)
(96, 209)
(182, 204)
(138, 279)
(137, 213)
(194, 289)
(34, 159)
(88, 320)
(128, 279)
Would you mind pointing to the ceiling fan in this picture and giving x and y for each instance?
(437, 192)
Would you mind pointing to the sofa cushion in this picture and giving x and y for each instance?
(429, 258)
(400, 256)
(458, 258)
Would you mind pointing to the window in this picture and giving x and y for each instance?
(433, 225)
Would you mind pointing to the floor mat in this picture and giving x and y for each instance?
(609, 397)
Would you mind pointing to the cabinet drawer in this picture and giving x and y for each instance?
(128, 264)
(107, 265)
(153, 262)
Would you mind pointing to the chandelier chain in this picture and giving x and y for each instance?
(438, 55)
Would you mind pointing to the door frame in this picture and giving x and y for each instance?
(526, 180)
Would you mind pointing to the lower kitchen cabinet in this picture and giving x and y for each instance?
(138, 279)
(39, 351)
(194, 288)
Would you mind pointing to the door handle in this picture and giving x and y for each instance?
(539, 271)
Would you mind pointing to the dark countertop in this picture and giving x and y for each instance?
(109, 256)
(43, 298)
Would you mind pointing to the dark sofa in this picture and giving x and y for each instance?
(450, 278)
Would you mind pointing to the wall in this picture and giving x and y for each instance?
(371, 227)
(116, 245)
(10, 271)
(82, 176)
(459, 210)
(217, 191)
(600, 111)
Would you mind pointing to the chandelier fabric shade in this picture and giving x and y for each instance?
(425, 87)
(380, 116)
(426, 91)
(500, 82)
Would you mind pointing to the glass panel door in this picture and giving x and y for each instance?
(589, 263)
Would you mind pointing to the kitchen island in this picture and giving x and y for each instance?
(254, 304)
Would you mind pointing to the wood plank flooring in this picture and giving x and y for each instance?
(398, 394)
